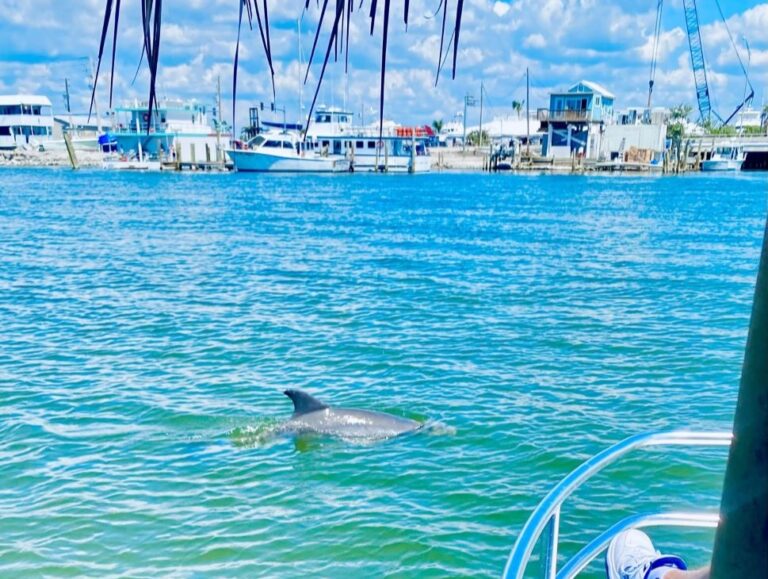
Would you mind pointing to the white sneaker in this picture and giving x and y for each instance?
(629, 555)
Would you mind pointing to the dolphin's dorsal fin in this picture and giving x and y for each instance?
(303, 403)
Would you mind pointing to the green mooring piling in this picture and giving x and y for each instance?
(741, 540)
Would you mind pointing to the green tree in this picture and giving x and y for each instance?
(675, 131)
(478, 138)
(437, 124)
(680, 112)
(678, 115)
(517, 106)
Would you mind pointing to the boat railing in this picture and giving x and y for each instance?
(546, 517)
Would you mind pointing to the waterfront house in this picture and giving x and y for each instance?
(25, 120)
(575, 121)
(178, 131)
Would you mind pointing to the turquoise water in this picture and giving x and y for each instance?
(150, 322)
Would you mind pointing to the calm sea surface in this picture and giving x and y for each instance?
(149, 323)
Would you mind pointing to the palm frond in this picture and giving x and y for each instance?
(338, 40)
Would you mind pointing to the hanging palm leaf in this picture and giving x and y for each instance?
(338, 40)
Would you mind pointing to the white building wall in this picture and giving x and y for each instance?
(639, 136)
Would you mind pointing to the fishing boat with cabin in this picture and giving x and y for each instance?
(285, 152)
(391, 149)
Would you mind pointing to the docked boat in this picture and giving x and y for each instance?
(286, 152)
(394, 149)
(725, 158)
(79, 144)
(118, 162)
(83, 131)
(25, 121)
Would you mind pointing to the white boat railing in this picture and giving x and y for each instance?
(546, 516)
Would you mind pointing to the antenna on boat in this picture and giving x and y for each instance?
(528, 111)
(301, 61)
(93, 80)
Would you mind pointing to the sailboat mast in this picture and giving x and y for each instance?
(528, 111)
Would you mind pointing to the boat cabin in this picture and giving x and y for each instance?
(274, 142)
(25, 120)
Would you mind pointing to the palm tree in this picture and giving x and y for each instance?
(437, 124)
(518, 107)
(680, 112)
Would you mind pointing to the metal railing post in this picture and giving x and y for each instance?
(550, 555)
(548, 510)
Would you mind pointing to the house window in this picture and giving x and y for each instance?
(359, 144)
(371, 144)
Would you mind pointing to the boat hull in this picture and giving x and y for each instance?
(79, 143)
(132, 165)
(391, 164)
(260, 162)
(721, 165)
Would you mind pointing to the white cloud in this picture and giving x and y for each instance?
(500, 8)
(535, 41)
(560, 41)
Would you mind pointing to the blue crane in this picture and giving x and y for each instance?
(697, 61)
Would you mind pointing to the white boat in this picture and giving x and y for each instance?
(286, 152)
(79, 143)
(116, 162)
(25, 121)
(395, 149)
(134, 161)
(725, 158)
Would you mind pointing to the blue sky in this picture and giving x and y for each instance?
(561, 41)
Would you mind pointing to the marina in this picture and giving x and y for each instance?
(579, 132)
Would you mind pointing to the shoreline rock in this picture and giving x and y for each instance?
(23, 158)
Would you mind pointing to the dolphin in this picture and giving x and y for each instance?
(311, 416)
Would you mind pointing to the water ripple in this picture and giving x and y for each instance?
(151, 323)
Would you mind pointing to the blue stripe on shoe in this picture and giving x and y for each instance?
(666, 561)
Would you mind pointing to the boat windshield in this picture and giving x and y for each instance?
(256, 141)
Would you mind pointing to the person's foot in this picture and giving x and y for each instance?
(631, 555)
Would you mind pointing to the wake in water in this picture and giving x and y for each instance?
(261, 434)
(267, 432)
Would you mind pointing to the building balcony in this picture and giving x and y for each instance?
(565, 116)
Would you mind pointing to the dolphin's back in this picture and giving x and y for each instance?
(312, 416)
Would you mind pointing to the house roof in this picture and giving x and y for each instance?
(592, 86)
